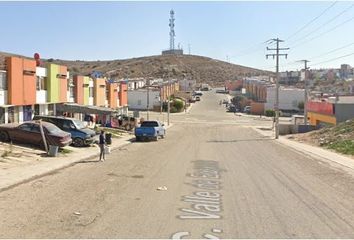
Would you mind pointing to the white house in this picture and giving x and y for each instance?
(187, 85)
(137, 99)
(289, 98)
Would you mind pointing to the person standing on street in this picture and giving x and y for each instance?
(101, 143)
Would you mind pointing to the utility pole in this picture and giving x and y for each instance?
(276, 56)
(306, 90)
(147, 99)
(168, 99)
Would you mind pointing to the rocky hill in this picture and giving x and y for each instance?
(200, 68)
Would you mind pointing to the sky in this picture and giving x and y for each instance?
(230, 31)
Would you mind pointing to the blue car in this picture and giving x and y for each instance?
(80, 134)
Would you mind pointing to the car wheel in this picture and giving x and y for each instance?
(137, 139)
(4, 136)
(78, 142)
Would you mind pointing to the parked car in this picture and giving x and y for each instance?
(80, 133)
(232, 108)
(198, 93)
(192, 100)
(247, 109)
(29, 132)
(150, 130)
(197, 98)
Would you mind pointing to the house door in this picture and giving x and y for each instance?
(27, 113)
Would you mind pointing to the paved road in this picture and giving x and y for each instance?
(223, 180)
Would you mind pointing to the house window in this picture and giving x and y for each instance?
(71, 91)
(91, 92)
(40, 84)
(3, 81)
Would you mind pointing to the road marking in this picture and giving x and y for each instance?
(206, 203)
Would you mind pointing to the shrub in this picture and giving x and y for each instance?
(270, 113)
(178, 104)
(173, 109)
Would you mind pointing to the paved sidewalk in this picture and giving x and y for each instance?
(35, 166)
(10, 177)
(333, 158)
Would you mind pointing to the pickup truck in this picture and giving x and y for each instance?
(150, 130)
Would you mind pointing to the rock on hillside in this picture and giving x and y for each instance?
(200, 68)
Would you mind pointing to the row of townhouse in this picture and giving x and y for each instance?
(262, 95)
(27, 89)
(152, 96)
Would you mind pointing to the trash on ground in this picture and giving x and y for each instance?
(77, 213)
(163, 188)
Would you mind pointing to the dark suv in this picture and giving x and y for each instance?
(80, 134)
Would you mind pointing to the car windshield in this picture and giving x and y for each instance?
(149, 124)
(79, 124)
(52, 128)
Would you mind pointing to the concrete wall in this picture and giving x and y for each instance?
(344, 112)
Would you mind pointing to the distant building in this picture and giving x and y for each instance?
(173, 52)
(345, 71)
(289, 98)
(187, 85)
(290, 77)
(333, 110)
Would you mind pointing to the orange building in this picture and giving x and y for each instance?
(99, 92)
(112, 94)
(123, 94)
(22, 85)
(78, 89)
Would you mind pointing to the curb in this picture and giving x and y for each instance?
(314, 152)
(125, 142)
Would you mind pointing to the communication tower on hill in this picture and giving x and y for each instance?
(172, 49)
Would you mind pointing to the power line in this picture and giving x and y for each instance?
(326, 23)
(314, 19)
(333, 59)
(321, 34)
(247, 51)
(334, 50)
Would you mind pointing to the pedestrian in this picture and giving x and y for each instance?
(102, 145)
